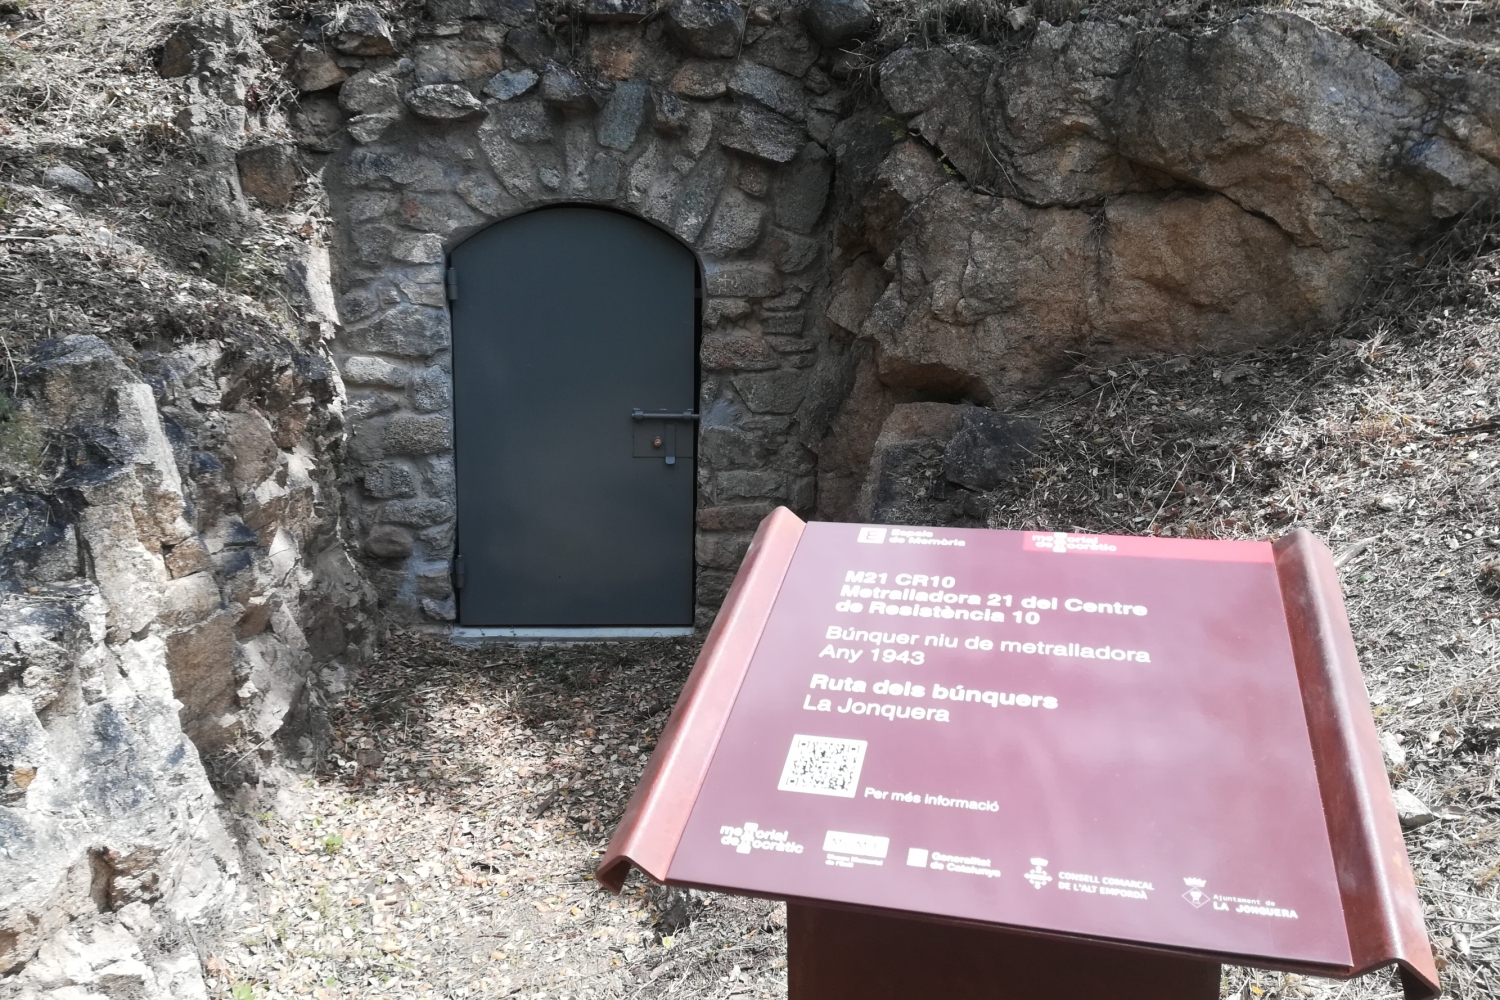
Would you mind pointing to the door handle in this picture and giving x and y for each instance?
(668, 440)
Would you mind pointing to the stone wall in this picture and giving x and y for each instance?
(705, 121)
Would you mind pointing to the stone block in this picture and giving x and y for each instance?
(772, 392)
(390, 481)
(420, 248)
(803, 495)
(987, 448)
(705, 81)
(436, 212)
(312, 68)
(566, 91)
(716, 311)
(317, 123)
(835, 23)
(914, 79)
(734, 517)
(786, 323)
(437, 476)
(791, 344)
(800, 190)
(367, 406)
(359, 30)
(405, 331)
(419, 512)
(532, 47)
(455, 60)
(712, 28)
(366, 129)
(745, 280)
(370, 90)
(372, 243)
(271, 173)
(615, 51)
(776, 90)
(359, 304)
(621, 120)
(362, 370)
(438, 538)
(516, 13)
(444, 102)
(736, 224)
(758, 132)
(410, 434)
(719, 550)
(443, 611)
(738, 351)
(605, 171)
(785, 47)
(388, 541)
(669, 115)
(431, 389)
(384, 168)
(69, 179)
(436, 581)
(748, 485)
(525, 121)
(753, 177)
(700, 192)
(626, 11)
(509, 84)
(790, 252)
(730, 447)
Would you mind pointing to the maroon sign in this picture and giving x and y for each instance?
(1090, 735)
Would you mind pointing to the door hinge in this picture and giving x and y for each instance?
(452, 282)
(458, 572)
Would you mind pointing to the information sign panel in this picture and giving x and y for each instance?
(1099, 736)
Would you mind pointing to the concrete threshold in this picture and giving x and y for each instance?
(465, 636)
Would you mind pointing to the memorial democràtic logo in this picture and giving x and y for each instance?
(753, 837)
(1195, 893)
(872, 536)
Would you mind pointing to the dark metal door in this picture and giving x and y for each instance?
(569, 513)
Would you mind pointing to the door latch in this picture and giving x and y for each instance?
(663, 442)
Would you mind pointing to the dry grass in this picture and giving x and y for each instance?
(1430, 36)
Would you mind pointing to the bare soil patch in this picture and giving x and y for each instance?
(447, 849)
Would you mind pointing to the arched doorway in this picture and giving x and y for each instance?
(571, 327)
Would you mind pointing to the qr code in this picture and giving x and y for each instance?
(822, 765)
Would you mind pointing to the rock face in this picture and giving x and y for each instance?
(178, 589)
(1106, 191)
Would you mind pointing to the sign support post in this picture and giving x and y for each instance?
(846, 955)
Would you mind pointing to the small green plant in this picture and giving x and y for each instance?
(242, 991)
(333, 843)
